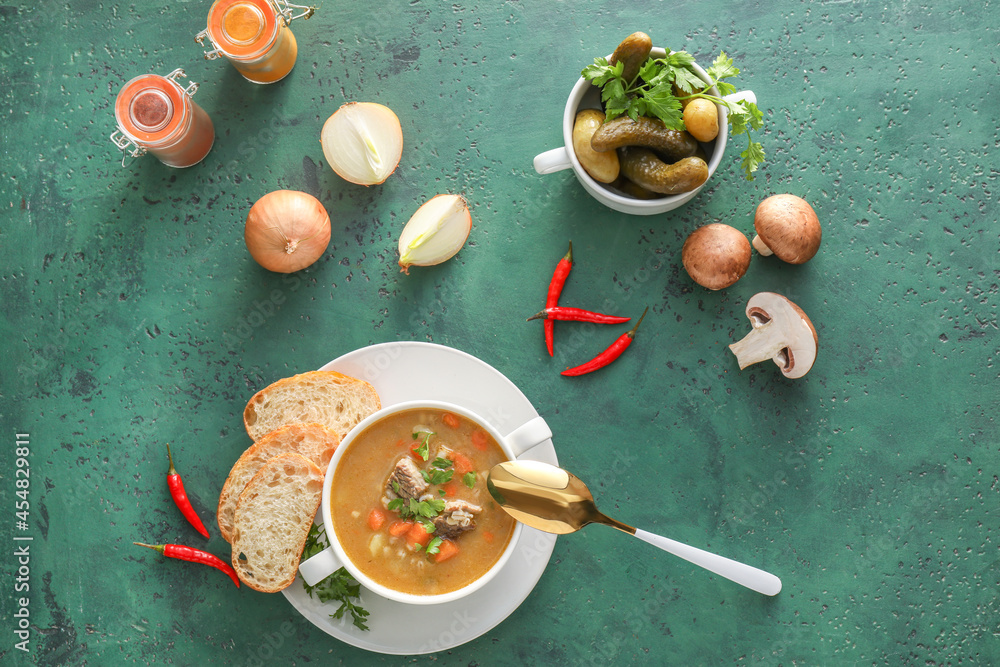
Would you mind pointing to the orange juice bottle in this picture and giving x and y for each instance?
(254, 36)
(155, 114)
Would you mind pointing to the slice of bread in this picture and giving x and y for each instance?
(335, 400)
(313, 441)
(272, 520)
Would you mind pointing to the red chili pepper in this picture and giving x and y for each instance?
(577, 315)
(555, 289)
(176, 487)
(610, 354)
(181, 552)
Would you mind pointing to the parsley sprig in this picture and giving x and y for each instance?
(338, 587)
(652, 93)
(423, 450)
(418, 510)
(434, 546)
(439, 472)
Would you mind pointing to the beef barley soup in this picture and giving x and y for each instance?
(409, 502)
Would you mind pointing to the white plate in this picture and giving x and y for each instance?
(406, 371)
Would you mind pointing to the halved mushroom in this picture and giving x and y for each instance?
(781, 331)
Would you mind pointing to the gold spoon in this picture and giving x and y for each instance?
(556, 501)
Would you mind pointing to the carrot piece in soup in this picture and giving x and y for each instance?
(480, 440)
(488, 536)
(397, 528)
(376, 518)
(417, 535)
(463, 463)
(450, 420)
(446, 550)
(450, 489)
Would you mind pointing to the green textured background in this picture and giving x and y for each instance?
(132, 316)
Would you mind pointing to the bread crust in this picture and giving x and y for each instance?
(272, 520)
(314, 441)
(333, 399)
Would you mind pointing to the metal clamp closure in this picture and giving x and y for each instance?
(286, 11)
(129, 148)
(200, 38)
(177, 73)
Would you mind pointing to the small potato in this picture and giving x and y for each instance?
(701, 118)
(602, 167)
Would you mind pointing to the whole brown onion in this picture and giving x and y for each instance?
(287, 230)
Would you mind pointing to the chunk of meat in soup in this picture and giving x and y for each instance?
(406, 476)
(457, 517)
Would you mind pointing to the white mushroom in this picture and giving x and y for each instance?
(781, 331)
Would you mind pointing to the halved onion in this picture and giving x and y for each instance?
(363, 142)
(435, 233)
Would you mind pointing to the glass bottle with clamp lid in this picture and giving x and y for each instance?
(254, 36)
(155, 114)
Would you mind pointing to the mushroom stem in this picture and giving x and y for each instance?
(761, 247)
(759, 345)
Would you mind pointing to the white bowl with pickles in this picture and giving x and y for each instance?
(640, 135)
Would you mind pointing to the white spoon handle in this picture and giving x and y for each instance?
(745, 575)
